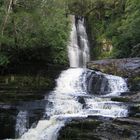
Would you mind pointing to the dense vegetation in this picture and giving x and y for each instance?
(33, 32)
(37, 31)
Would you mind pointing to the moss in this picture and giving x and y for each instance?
(81, 130)
(23, 87)
(20, 81)
(84, 125)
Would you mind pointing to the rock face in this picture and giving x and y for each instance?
(101, 129)
(127, 67)
(98, 84)
(10, 110)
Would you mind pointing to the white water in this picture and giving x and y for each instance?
(116, 85)
(21, 123)
(78, 48)
(64, 101)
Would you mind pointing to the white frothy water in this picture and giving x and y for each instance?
(21, 123)
(78, 48)
(71, 86)
(45, 130)
(73, 48)
(116, 85)
(64, 104)
(83, 43)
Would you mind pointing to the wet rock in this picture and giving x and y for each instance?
(133, 97)
(131, 120)
(98, 84)
(12, 95)
(127, 67)
(81, 100)
(9, 113)
(134, 83)
(7, 121)
(97, 129)
(134, 110)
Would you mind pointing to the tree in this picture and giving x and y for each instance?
(32, 25)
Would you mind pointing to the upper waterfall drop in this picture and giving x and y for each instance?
(78, 48)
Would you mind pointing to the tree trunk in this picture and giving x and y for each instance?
(6, 17)
(5, 20)
(11, 6)
(14, 22)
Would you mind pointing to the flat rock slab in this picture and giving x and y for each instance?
(126, 67)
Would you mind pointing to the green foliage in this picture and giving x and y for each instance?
(34, 31)
(124, 31)
(38, 30)
(29, 81)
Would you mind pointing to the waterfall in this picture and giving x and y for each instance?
(78, 48)
(72, 86)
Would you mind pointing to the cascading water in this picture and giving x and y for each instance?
(78, 48)
(64, 103)
(21, 121)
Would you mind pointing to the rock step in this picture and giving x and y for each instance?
(87, 129)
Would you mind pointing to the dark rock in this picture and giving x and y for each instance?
(134, 83)
(134, 110)
(128, 93)
(9, 112)
(133, 98)
(81, 100)
(7, 122)
(133, 121)
(94, 129)
(98, 84)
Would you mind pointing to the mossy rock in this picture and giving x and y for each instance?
(134, 83)
(95, 129)
(126, 67)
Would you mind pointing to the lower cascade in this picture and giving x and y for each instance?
(79, 93)
(64, 103)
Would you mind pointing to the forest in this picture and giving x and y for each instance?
(70, 69)
(37, 31)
